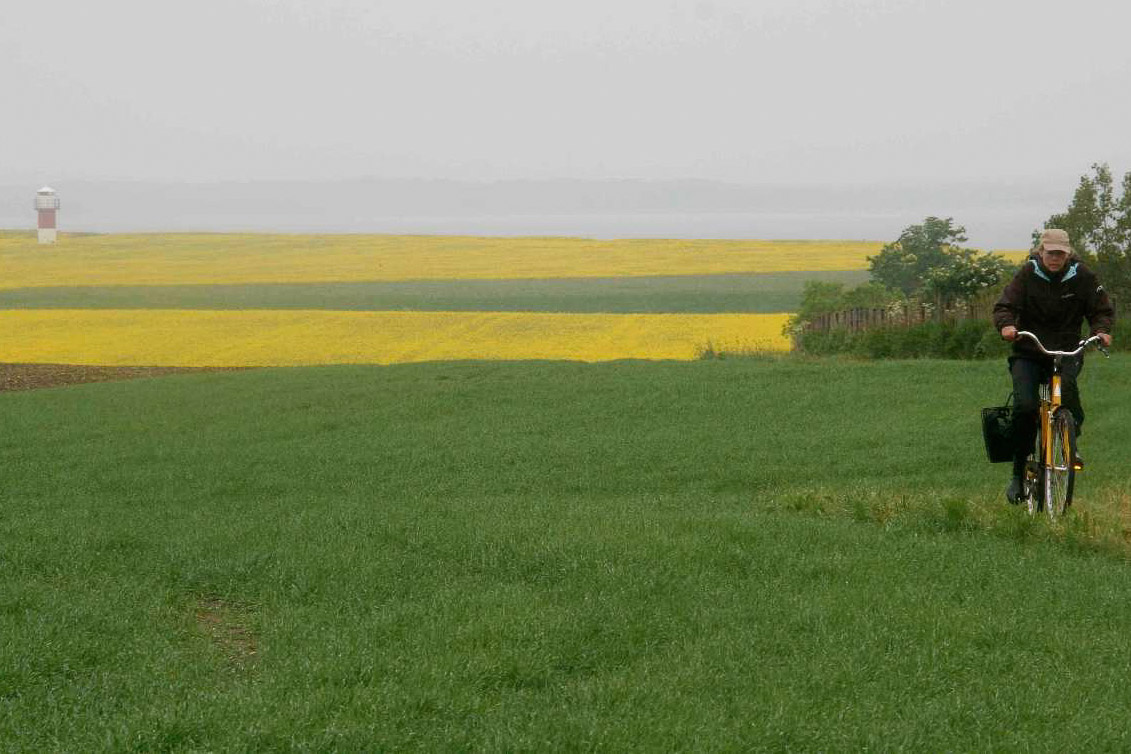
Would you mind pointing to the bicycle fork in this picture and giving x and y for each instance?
(1042, 465)
(1048, 411)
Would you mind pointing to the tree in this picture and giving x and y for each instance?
(903, 264)
(965, 274)
(819, 297)
(1098, 221)
(927, 260)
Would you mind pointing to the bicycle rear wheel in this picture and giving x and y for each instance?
(1059, 471)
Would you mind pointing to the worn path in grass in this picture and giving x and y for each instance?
(552, 556)
(39, 376)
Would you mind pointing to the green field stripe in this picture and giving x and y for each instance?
(705, 294)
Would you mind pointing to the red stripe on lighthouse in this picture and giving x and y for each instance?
(47, 218)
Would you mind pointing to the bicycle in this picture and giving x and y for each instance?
(1050, 473)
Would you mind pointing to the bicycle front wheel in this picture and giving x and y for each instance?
(1059, 470)
(1034, 480)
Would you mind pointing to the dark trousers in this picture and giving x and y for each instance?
(1028, 375)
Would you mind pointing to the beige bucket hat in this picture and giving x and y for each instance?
(1055, 238)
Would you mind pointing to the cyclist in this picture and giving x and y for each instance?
(1049, 296)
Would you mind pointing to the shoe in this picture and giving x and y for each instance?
(1077, 461)
(1015, 491)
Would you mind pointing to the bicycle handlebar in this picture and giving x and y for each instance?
(1079, 349)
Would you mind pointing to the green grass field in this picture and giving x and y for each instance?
(758, 293)
(723, 554)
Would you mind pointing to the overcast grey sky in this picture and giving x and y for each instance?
(808, 91)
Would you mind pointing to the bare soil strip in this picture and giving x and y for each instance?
(35, 376)
(224, 624)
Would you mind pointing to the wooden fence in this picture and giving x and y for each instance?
(906, 315)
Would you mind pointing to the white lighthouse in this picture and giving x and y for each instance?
(46, 204)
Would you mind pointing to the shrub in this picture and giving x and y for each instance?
(969, 339)
(991, 346)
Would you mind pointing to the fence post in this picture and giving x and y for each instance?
(912, 314)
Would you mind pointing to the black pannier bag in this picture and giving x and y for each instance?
(997, 431)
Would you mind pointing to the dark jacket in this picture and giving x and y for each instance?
(1053, 306)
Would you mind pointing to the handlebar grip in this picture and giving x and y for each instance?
(1079, 349)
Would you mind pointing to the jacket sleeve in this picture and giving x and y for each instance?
(1008, 307)
(1098, 309)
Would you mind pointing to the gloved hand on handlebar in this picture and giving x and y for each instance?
(1009, 332)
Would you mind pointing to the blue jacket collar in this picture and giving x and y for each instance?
(1067, 275)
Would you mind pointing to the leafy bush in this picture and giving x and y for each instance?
(967, 339)
(991, 346)
(819, 297)
(970, 339)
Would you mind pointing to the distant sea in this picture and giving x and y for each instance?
(1001, 230)
(995, 217)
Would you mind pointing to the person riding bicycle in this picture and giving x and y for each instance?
(1049, 296)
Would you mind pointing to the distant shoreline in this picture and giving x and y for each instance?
(63, 233)
(996, 215)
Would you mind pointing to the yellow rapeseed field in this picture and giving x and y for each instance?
(290, 338)
(203, 258)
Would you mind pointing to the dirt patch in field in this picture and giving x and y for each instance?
(35, 376)
(226, 625)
